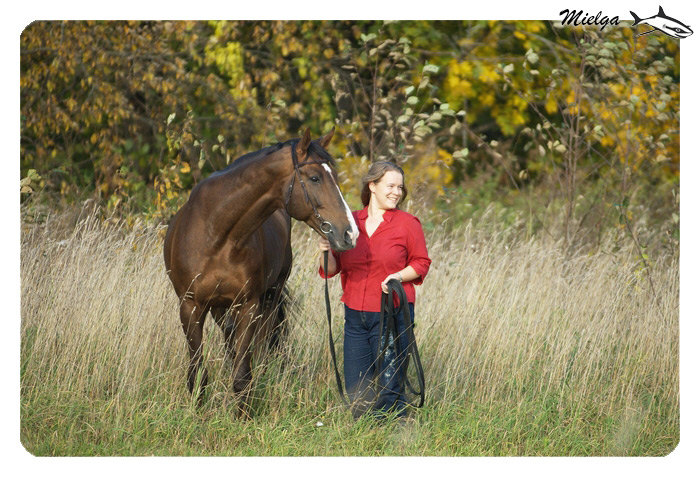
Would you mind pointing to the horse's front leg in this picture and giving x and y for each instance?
(246, 325)
(192, 318)
(225, 318)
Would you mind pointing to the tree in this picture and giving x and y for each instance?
(95, 97)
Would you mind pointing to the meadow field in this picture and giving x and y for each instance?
(531, 347)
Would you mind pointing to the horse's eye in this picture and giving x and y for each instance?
(315, 179)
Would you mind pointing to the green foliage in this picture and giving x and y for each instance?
(30, 182)
(388, 108)
(135, 113)
(539, 427)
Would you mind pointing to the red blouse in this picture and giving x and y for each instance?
(397, 243)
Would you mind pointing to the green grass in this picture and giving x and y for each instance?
(529, 348)
(537, 428)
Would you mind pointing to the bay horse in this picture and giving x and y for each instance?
(228, 249)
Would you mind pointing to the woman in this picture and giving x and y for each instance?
(391, 245)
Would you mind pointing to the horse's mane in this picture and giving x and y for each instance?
(314, 147)
(252, 156)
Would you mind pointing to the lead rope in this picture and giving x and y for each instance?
(411, 351)
(330, 333)
(388, 310)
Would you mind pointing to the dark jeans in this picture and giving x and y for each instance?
(360, 355)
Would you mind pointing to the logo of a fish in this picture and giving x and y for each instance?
(663, 23)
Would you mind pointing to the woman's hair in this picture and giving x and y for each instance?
(375, 174)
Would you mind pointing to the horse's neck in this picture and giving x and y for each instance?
(248, 196)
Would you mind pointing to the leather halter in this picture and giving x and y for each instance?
(325, 226)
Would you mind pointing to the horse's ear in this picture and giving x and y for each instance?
(326, 140)
(303, 144)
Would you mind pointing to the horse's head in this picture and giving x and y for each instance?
(314, 196)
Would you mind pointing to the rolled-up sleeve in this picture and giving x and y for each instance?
(322, 272)
(417, 250)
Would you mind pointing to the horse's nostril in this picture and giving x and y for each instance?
(349, 236)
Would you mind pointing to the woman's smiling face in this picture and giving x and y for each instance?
(388, 190)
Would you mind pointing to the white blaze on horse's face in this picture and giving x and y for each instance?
(355, 232)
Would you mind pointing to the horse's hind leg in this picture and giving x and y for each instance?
(192, 318)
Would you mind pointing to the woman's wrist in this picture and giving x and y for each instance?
(399, 277)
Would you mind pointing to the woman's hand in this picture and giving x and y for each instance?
(408, 274)
(396, 276)
(324, 245)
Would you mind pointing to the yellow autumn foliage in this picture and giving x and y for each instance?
(96, 98)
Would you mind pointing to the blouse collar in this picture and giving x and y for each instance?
(388, 214)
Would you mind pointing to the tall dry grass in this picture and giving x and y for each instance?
(545, 334)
